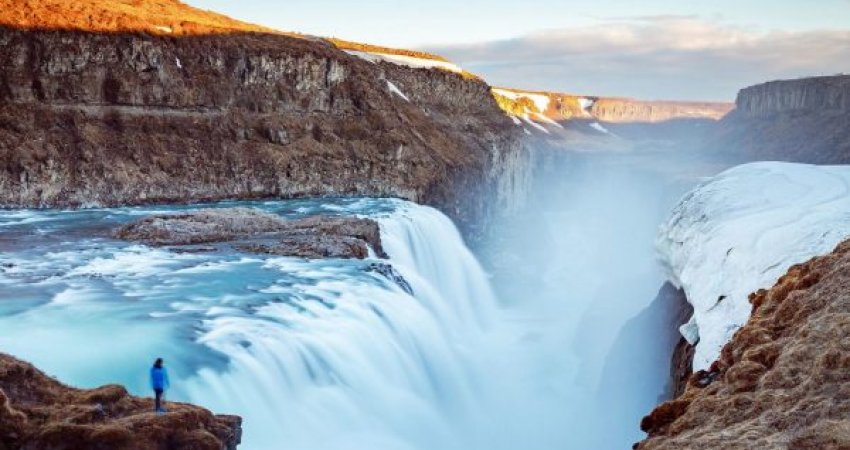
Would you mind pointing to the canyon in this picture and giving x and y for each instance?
(286, 245)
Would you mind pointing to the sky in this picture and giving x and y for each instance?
(656, 49)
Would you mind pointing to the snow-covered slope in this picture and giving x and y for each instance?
(406, 60)
(741, 231)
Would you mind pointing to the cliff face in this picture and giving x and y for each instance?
(561, 106)
(38, 412)
(783, 381)
(126, 118)
(808, 94)
(624, 110)
(804, 120)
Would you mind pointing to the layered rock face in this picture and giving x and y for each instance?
(803, 120)
(111, 119)
(625, 110)
(783, 381)
(38, 412)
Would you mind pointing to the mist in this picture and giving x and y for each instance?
(580, 263)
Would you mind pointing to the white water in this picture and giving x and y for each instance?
(329, 355)
(312, 354)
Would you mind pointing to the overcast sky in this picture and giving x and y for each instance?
(661, 49)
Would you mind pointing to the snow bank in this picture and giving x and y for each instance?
(403, 60)
(741, 231)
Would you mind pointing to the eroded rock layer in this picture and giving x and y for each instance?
(783, 381)
(38, 412)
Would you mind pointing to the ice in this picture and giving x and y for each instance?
(741, 231)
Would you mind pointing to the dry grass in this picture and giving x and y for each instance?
(152, 16)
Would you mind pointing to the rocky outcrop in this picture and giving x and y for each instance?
(803, 120)
(127, 117)
(783, 381)
(311, 237)
(38, 412)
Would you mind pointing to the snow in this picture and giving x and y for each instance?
(179, 64)
(516, 121)
(585, 103)
(596, 126)
(542, 118)
(395, 90)
(403, 60)
(741, 231)
(541, 101)
(534, 124)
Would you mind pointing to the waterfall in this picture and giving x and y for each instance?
(347, 361)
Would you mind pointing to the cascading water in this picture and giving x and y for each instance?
(337, 354)
(314, 354)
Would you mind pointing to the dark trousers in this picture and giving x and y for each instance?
(158, 398)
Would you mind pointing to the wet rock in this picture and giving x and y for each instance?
(38, 412)
(260, 232)
(199, 227)
(783, 381)
(312, 246)
(391, 274)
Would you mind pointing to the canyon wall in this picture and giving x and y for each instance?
(620, 110)
(783, 381)
(803, 120)
(561, 106)
(127, 118)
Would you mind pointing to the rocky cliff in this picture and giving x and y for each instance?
(783, 381)
(561, 106)
(129, 117)
(803, 120)
(38, 412)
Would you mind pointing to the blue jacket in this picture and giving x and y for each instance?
(159, 378)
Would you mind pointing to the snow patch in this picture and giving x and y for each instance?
(596, 126)
(516, 121)
(395, 90)
(534, 124)
(403, 60)
(179, 64)
(740, 231)
(541, 101)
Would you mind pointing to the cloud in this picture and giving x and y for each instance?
(677, 57)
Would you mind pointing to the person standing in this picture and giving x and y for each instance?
(159, 383)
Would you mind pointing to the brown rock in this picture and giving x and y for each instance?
(783, 381)
(311, 237)
(38, 412)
